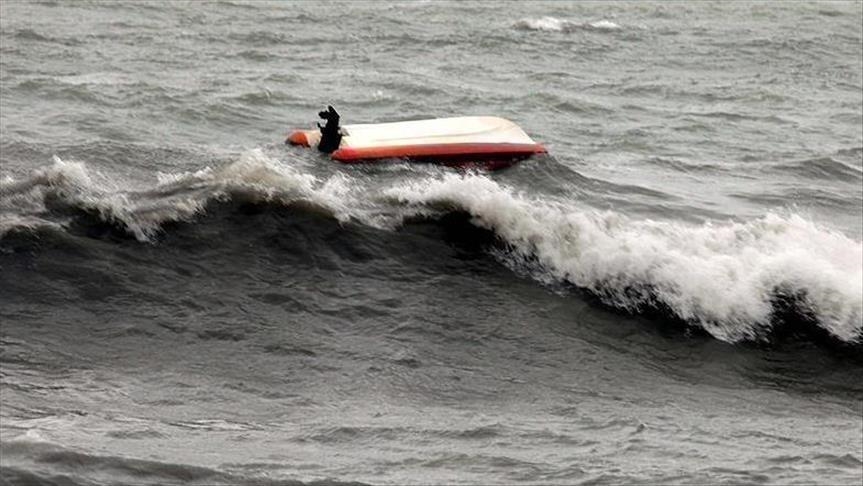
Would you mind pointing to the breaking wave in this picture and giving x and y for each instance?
(729, 278)
(67, 186)
(554, 24)
(724, 277)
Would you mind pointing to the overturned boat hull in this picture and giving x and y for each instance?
(491, 141)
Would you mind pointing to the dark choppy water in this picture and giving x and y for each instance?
(672, 296)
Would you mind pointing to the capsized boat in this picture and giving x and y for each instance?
(491, 141)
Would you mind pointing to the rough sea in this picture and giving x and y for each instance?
(673, 295)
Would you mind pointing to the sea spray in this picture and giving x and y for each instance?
(720, 276)
(175, 197)
(554, 24)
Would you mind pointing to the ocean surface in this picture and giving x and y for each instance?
(673, 295)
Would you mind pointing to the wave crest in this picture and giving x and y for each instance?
(731, 279)
(725, 278)
(68, 186)
(554, 24)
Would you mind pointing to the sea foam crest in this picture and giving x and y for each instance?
(176, 197)
(722, 277)
(23, 201)
(554, 24)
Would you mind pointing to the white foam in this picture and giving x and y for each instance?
(604, 25)
(554, 24)
(13, 222)
(544, 23)
(23, 201)
(176, 197)
(720, 276)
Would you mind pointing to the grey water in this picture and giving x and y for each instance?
(673, 295)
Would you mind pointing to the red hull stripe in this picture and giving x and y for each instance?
(298, 138)
(481, 151)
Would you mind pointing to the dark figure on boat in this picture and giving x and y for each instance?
(331, 137)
